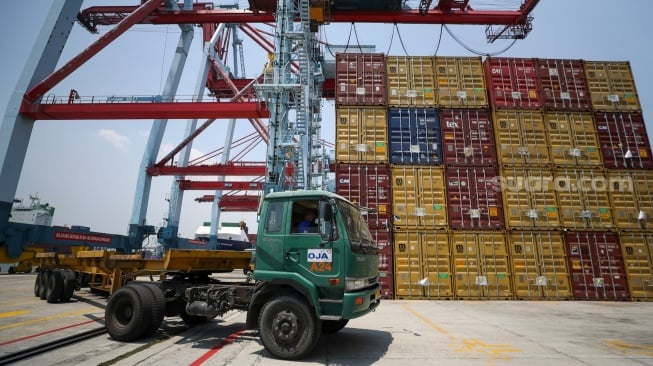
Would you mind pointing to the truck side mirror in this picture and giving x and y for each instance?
(327, 221)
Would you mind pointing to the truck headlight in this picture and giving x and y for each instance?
(353, 284)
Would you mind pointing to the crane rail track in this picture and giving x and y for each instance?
(46, 347)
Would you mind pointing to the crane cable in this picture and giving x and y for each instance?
(475, 51)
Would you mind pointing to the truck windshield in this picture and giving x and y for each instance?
(357, 230)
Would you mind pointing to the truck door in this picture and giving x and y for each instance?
(306, 252)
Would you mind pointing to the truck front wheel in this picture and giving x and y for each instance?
(288, 327)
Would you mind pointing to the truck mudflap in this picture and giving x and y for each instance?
(359, 303)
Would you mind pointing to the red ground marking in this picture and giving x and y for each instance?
(48, 332)
(215, 349)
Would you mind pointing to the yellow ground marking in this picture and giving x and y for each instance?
(58, 316)
(495, 351)
(474, 345)
(8, 314)
(436, 327)
(630, 348)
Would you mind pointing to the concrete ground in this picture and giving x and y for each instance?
(400, 332)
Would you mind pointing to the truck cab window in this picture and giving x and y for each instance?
(304, 217)
(274, 217)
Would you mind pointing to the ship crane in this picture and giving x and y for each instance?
(289, 93)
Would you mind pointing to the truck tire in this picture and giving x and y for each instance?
(37, 285)
(69, 285)
(45, 280)
(128, 313)
(158, 306)
(332, 326)
(288, 327)
(55, 286)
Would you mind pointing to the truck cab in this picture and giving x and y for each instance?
(331, 267)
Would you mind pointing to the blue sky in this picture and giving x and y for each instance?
(88, 169)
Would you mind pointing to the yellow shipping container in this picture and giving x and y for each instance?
(361, 135)
(461, 82)
(529, 198)
(410, 81)
(583, 200)
(521, 138)
(573, 139)
(631, 195)
(612, 86)
(480, 265)
(539, 265)
(637, 252)
(422, 265)
(418, 197)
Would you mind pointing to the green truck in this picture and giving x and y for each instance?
(306, 281)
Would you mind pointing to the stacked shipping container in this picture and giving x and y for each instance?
(419, 208)
(626, 154)
(362, 155)
(555, 156)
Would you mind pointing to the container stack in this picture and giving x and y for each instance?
(421, 246)
(626, 155)
(362, 171)
(507, 178)
(477, 242)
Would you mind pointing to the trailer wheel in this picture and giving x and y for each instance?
(55, 286)
(37, 284)
(44, 282)
(288, 327)
(158, 306)
(69, 285)
(332, 326)
(128, 313)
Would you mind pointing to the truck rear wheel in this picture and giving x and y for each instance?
(37, 284)
(288, 327)
(69, 285)
(55, 286)
(158, 306)
(128, 313)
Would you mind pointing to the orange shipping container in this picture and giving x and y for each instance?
(418, 197)
(573, 139)
(410, 81)
(422, 265)
(539, 265)
(612, 86)
(361, 135)
(583, 199)
(638, 261)
(631, 196)
(529, 198)
(480, 265)
(521, 138)
(461, 82)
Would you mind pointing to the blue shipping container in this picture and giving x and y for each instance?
(414, 136)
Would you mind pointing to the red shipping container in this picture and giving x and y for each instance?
(596, 266)
(360, 79)
(512, 83)
(367, 185)
(563, 85)
(386, 262)
(623, 140)
(467, 137)
(474, 198)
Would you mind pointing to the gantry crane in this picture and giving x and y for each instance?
(288, 92)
